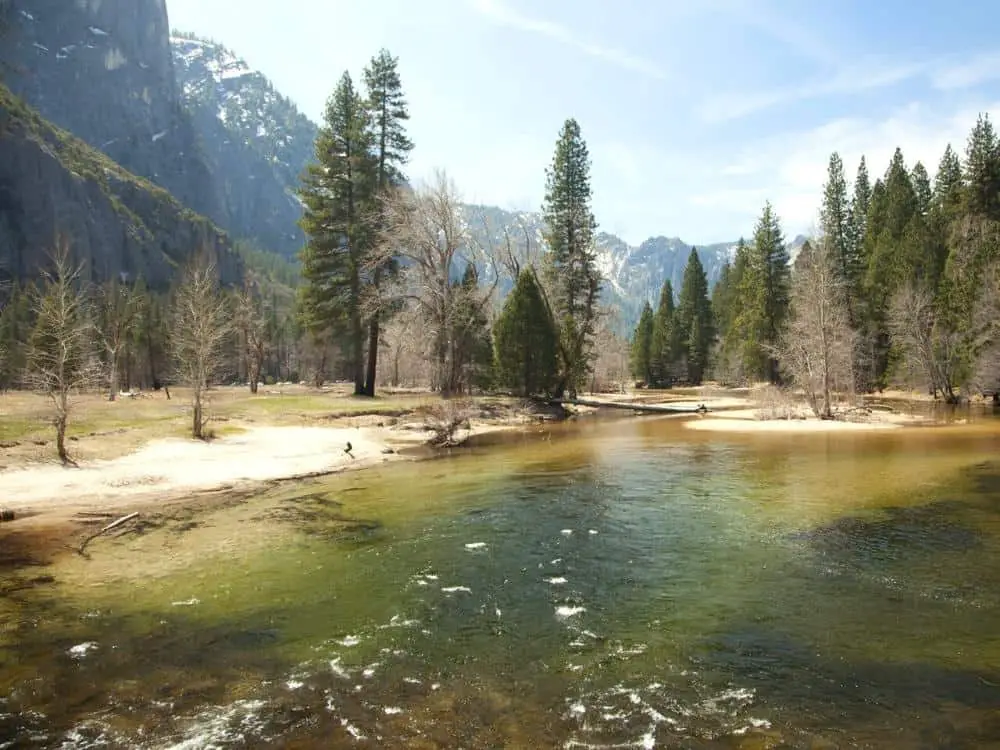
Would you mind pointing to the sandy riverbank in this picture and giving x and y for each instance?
(172, 469)
(748, 420)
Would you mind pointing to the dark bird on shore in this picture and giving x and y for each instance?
(348, 449)
(702, 409)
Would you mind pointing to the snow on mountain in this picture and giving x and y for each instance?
(212, 76)
(242, 102)
(258, 138)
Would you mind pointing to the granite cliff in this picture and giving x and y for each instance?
(103, 70)
(120, 225)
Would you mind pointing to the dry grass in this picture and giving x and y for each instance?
(771, 402)
(104, 429)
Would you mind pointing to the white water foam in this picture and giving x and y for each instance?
(82, 649)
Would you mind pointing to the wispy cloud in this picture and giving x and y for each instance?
(789, 169)
(967, 74)
(852, 80)
(499, 13)
(781, 27)
(944, 74)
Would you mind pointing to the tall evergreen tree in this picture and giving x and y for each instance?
(982, 171)
(336, 191)
(948, 184)
(694, 319)
(525, 339)
(387, 112)
(731, 320)
(763, 298)
(470, 334)
(860, 202)
(642, 343)
(895, 249)
(663, 352)
(921, 188)
(836, 226)
(571, 266)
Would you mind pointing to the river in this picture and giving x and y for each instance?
(608, 584)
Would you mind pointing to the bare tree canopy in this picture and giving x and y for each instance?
(817, 346)
(200, 324)
(430, 237)
(118, 308)
(252, 325)
(61, 360)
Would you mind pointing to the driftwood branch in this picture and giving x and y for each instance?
(106, 529)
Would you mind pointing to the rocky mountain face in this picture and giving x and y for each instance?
(632, 274)
(102, 69)
(119, 224)
(256, 139)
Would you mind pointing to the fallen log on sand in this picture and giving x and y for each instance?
(630, 406)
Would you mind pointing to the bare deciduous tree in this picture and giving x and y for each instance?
(611, 363)
(61, 359)
(429, 235)
(252, 324)
(931, 350)
(118, 314)
(199, 327)
(818, 346)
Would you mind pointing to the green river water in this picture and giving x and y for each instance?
(614, 583)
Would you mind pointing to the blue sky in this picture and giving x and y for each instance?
(695, 113)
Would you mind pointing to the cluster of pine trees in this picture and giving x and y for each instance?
(378, 249)
(899, 286)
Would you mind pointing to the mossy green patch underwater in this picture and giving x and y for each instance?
(613, 583)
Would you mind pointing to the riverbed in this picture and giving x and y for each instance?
(609, 583)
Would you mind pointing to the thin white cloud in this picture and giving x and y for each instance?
(943, 74)
(789, 169)
(784, 29)
(846, 81)
(499, 13)
(980, 69)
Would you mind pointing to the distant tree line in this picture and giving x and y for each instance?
(898, 286)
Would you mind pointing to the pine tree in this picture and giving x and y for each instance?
(694, 320)
(525, 340)
(763, 298)
(982, 171)
(388, 114)
(571, 267)
(860, 203)
(836, 227)
(663, 349)
(335, 191)
(921, 188)
(470, 334)
(730, 322)
(895, 249)
(642, 346)
(948, 184)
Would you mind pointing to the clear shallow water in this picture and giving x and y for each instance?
(620, 584)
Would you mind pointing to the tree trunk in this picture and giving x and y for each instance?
(373, 336)
(113, 376)
(196, 425)
(61, 438)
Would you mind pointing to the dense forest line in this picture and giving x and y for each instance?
(898, 285)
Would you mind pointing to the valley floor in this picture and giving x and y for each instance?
(135, 453)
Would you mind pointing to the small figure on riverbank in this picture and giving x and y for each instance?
(348, 449)
(702, 409)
